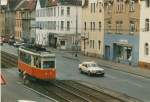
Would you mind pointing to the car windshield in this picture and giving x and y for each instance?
(92, 65)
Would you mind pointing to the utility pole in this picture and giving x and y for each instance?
(76, 30)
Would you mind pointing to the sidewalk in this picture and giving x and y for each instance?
(109, 64)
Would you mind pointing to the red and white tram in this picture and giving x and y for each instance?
(37, 64)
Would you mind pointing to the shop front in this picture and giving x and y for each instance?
(121, 48)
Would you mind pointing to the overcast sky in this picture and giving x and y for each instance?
(3, 2)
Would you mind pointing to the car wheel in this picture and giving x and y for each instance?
(102, 75)
(80, 70)
(89, 73)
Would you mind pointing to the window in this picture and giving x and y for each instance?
(68, 11)
(148, 3)
(93, 26)
(62, 11)
(146, 24)
(93, 43)
(99, 44)
(58, 11)
(91, 7)
(100, 25)
(54, 11)
(94, 7)
(62, 25)
(118, 26)
(100, 7)
(90, 43)
(85, 26)
(132, 27)
(132, 5)
(62, 43)
(146, 49)
(49, 64)
(68, 25)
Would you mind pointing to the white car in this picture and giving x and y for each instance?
(91, 68)
(17, 44)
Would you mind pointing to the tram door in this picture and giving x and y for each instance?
(36, 61)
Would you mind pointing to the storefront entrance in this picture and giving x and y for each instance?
(122, 52)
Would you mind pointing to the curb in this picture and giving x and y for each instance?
(113, 67)
(109, 66)
(70, 58)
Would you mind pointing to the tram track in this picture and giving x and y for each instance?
(72, 91)
(8, 60)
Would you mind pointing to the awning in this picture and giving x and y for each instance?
(123, 44)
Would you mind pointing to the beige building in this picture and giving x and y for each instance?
(2, 22)
(122, 26)
(92, 28)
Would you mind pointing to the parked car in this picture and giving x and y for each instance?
(91, 68)
(17, 44)
(11, 41)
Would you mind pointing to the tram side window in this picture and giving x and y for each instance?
(25, 57)
(49, 64)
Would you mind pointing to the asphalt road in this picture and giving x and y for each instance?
(15, 90)
(123, 82)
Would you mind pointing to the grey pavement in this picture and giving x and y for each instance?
(108, 64)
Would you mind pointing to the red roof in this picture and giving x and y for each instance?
(2, 80)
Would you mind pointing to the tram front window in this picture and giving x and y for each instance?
(49, 64)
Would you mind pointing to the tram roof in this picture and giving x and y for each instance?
(36, 53)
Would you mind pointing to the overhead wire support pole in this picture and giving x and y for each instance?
(76, 30)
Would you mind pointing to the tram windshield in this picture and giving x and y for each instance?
(48, 64)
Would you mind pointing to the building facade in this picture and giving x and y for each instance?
(122, 26)
(92, 27)
(144, 50)
(59, 23)
(25, 21)
(10, 19)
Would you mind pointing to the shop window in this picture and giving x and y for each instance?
(62, 43)
(146, 49)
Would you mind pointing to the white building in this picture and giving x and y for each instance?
(59, 23)
(144, 49)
